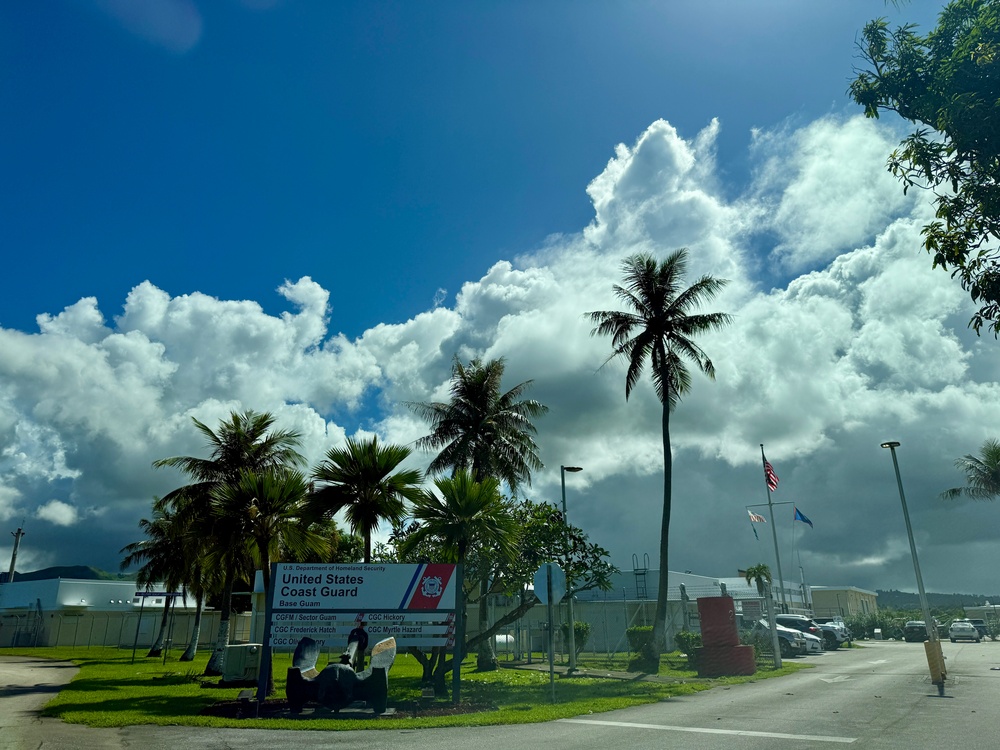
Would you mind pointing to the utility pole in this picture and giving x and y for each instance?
(13, 555)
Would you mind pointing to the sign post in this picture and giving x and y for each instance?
(550, 587)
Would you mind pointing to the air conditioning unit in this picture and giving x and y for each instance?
(242, 663)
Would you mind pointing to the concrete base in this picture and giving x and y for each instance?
(725, 661)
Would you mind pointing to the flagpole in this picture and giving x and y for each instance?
(774, 533)
(802, 577)
(795, 545)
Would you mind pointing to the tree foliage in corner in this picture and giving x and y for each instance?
(982, 474)
(948, 82)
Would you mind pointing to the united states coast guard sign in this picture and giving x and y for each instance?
(415, 604)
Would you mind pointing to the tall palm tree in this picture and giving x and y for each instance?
(468, 513)
(365, 480)
(659, 325)
(982, 474)
(483, 428)
(243, 442)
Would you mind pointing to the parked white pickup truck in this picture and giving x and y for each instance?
(835, 632)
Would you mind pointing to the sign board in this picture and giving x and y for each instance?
(558, 583)
(415, 604)
(753, 610)
(330, 629)
(358, 587)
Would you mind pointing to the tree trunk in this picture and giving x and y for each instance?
(440, 671)
(157, 648)
(486, 660)
(426, 662)
(657, 642)
(192, 648)
(265, 575)
(217, 662)
(515, 614)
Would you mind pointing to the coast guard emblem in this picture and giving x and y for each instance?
(431, 586)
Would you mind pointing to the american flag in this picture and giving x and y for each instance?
(756, 517)
(770, 477)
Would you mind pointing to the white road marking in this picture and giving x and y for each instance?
(700, 730)
(838, 678)
(880, 661)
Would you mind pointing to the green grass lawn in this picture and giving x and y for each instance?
(110, 691)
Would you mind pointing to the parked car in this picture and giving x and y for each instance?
(914, 631)
(835, 631)
(792, 642)
(801, 623)
(962, 630)
(814, 644)
(978, 624)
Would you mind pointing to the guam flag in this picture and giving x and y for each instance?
(800, 516)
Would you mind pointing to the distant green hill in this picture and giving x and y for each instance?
(82, 572)
(905, 600)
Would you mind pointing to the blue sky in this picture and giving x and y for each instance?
(387, 150)
(309, 208)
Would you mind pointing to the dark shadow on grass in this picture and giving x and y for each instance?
(92, 684)
(30, 689)
(152, 706)
(539, 693)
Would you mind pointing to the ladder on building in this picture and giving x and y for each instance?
(640, 575)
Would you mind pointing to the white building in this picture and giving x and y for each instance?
(81, 612)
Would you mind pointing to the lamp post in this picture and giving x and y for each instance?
(935, 659)
(569, 580)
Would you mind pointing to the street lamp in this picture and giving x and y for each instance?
(569, 580)
(935, 660)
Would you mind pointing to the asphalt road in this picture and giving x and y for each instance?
(876, 697)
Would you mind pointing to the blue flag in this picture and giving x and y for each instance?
(800, 517)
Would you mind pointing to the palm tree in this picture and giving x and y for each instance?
(364, 480)
(982, 474)
(468, 513)
(659, 325)
(488, 431)
(172, 552)
(482, 428)
(244, 442)
(760, 574)
(269, 505)
(342, 546)
(159, 560)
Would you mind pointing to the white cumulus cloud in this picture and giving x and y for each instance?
(862, 342)
(58, 512)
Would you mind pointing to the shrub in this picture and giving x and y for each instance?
(581, 634)
(638, 637)
(688, 643)
(993, 628)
